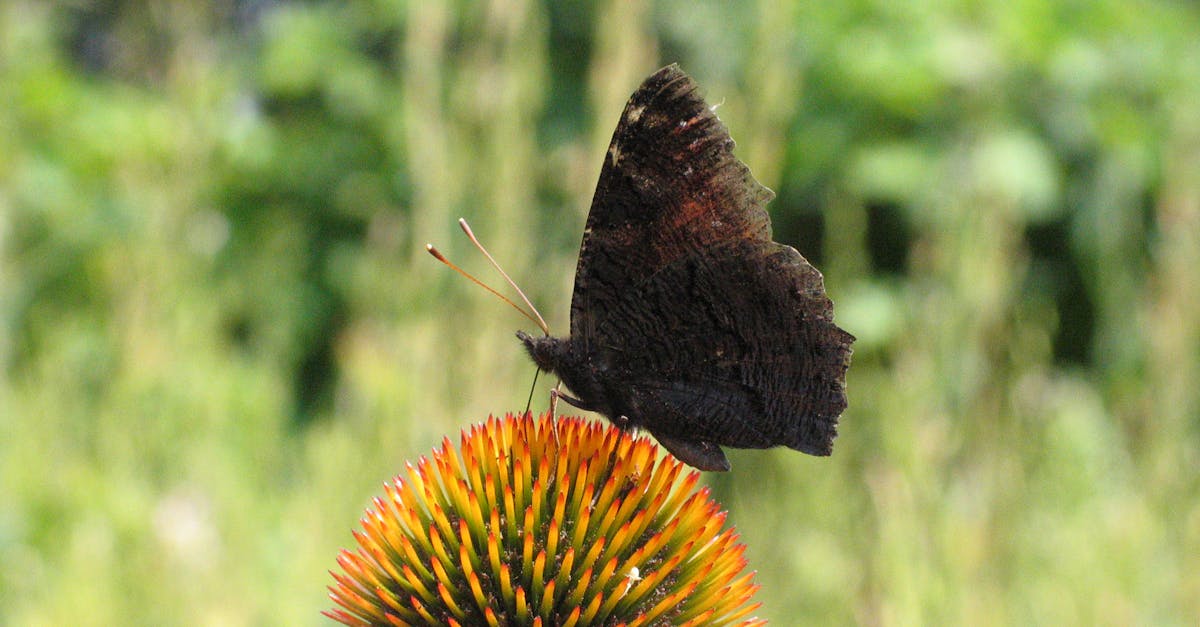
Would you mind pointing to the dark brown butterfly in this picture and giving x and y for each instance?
(687, 320)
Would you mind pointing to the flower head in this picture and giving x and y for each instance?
(544, 522)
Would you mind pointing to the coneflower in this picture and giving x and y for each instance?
(544, 522)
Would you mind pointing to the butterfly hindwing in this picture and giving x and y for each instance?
(752, 359)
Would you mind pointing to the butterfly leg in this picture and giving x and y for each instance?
(554, 395)
(574, 402)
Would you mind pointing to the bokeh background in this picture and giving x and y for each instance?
(221, 333)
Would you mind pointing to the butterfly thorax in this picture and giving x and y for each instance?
(579, 373)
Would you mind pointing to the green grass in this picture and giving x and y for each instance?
(221, 332)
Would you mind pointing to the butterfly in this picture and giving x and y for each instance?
(687, 320)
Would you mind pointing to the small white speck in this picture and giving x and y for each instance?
(614, 153)
(633, 577)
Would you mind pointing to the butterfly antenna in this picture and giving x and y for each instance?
(442, 258)
(462, 223)
(529, 401)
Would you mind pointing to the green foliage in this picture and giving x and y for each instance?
(221, 333)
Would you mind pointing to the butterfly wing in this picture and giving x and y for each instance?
(669, 187)
(693, 322)
(752, 358)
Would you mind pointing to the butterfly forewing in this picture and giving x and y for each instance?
(670, 185)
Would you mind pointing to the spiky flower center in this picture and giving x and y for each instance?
(544, 522)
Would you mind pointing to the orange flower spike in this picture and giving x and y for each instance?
(468, 558)
(563, 577)
(349, 581)
(525, 483)
(735, 595)
(442, 522)
(473, 470)
(510, 512)
(451, 602)
(506, 586)
(441, 575)
(704, 618)
(653, 544)
(409, 515)
(440, 556)
(416, 479)
(423, 611)
(448, 460)
(709, 542)
(395, 603)
(409, 554)
(603, 579)
(474, 518)
(727, 562)
(476, 587)
(502, 432)
(493, 550)
(576, 596)
(535, 502)
(581, 505)
(661, 480)
(522, 609)
(613, 588)
(457, 501)
(551, 537)
(546, 608)
(382, 566)
(573, 618)
(503, 475)
(560, 499)
(592, 609)
(633, 511)
(692, 517)
(652, 579)
(344, 617)
(418, 584)
(527, 545)
(348, 595)
(621, 540)
(604, 501)
(519, 478)
(681, 494)
(357, 566)
(669, 602)
(559, 502)
(593, 554)
(489, 494)
(537, 584)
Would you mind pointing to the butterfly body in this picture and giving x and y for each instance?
(687, 320)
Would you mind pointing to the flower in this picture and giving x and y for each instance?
(544, 522)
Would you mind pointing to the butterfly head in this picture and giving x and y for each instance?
(547, 352)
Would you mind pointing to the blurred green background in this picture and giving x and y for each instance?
(221, 332)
